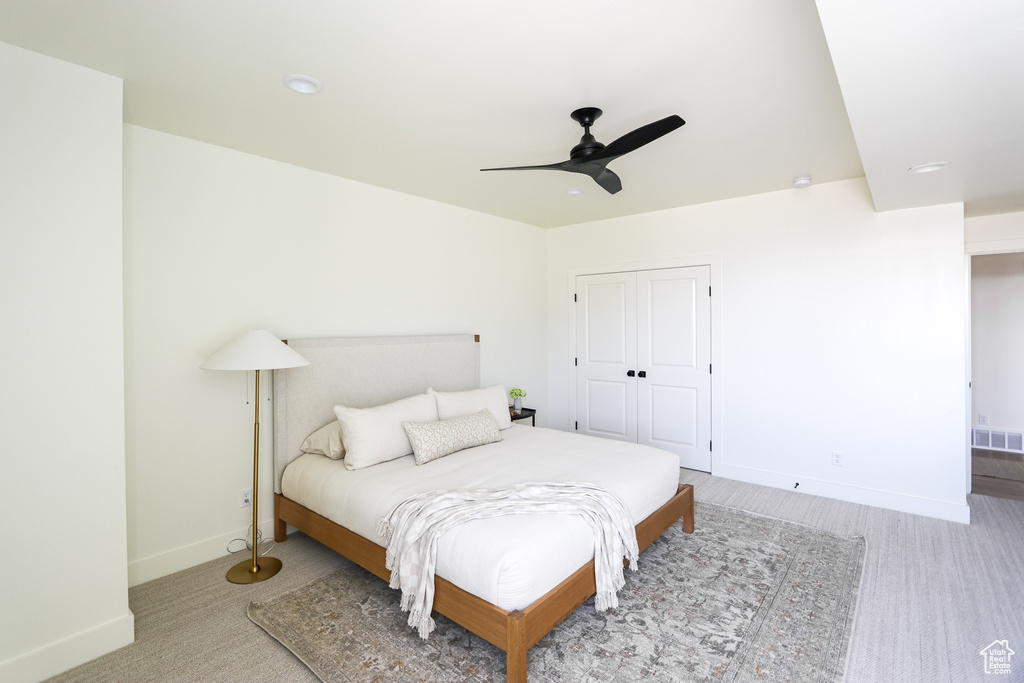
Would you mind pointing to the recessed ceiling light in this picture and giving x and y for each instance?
(575, 190)
(305, 85)
(802, 181)
(929, 168)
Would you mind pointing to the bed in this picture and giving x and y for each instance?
(508, 580)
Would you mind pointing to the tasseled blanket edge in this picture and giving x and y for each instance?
(423, 625)
(605, 600)
(384, 530)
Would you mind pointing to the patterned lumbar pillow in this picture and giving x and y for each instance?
(433, 440)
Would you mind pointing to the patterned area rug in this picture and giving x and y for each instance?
(744, 598)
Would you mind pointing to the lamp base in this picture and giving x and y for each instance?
(242, 572)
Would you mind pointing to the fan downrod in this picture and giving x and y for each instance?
(588, 145)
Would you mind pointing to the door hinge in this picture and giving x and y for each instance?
(709, 368)
(709, 290)
(574, 297)
(710, 446)
(577, 427)
(576, 361)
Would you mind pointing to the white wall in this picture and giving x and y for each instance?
(835, 329)
(994, 234)
(63, 576)
(218, 242)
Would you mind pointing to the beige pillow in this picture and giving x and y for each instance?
(375, 435)
(433, 440)
(458, 403)
(325, 441)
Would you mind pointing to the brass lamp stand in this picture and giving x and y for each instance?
(255, 350)
(261, 568)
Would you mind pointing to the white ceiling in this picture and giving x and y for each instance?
(418, 96)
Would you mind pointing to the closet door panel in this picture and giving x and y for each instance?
(672, 420)
(605, 353)
(673, 351)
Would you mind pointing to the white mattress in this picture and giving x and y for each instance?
(508, 561)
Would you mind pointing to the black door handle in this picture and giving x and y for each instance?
(631, 373)
(642, 373)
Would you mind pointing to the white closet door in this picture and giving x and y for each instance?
(674, 356)
(606, 352)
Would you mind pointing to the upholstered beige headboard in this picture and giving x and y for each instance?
(362, 372)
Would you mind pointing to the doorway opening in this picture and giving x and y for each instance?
(997, 374)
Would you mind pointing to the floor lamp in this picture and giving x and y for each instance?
(255, 350)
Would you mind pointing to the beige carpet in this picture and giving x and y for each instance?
(933, 594)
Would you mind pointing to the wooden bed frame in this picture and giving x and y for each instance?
(376, 370)
(513, 632)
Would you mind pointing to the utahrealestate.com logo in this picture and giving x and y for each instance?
(997, 657)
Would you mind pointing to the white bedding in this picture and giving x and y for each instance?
(507, 561)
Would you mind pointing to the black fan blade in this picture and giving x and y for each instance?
(560, 166)
(609, 181)
(595, 169)
(638, 138)
(601, 175)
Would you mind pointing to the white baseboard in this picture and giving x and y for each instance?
(163, 564)
(67, 653)
(928, 507)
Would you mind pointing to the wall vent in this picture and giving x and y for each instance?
(998, 439)
(1014, 441)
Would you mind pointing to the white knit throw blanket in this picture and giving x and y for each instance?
(412, 529)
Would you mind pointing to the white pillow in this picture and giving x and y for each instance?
(433, 440)
(458, 403)
(325, 441)
(375, 435)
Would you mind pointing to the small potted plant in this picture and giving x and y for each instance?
(517, 400)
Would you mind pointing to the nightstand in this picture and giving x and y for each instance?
(525, 413)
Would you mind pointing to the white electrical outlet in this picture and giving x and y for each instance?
(982, 419)
(837, 458)
(245, 499)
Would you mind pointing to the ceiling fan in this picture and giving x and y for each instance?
(591, 158)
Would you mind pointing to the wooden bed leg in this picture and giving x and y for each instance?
(280, 526)
(515, 647)
(688, 513)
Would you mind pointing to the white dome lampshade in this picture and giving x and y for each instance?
(255, 350)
